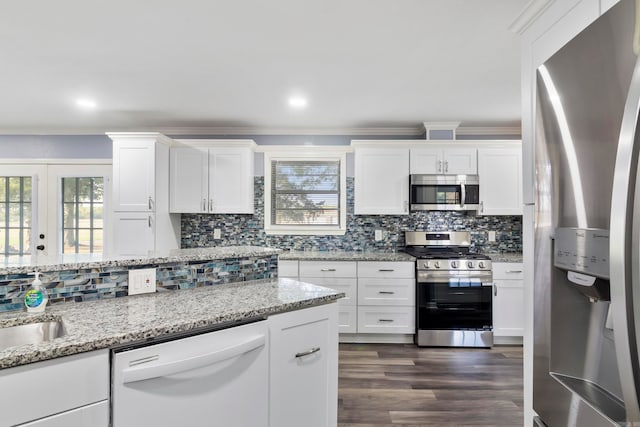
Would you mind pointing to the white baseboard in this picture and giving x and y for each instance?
(377, 338)
(507, 340)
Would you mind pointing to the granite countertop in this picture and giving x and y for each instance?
(344, 256)
(27, 264)
(102, 324)
(506, 257)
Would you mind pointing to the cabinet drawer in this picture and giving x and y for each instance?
(94, 415)
(84, 378)
(386, 320)
(386, 269)
(287, 268)
(346, 285)
(327, 269)
(508, 271)
(347, 319)
(373, 291)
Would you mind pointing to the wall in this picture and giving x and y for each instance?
(55, 147)
(197, 229)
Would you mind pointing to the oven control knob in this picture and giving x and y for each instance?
(481, 264)
(470, 264)
(437, 264)
(427, 265)
(454, 264)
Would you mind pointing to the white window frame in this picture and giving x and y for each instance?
(305, 154)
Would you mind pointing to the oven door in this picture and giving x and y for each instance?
(454, 304)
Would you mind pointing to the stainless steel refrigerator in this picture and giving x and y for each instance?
(587, 238)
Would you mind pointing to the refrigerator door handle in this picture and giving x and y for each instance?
(624, 247)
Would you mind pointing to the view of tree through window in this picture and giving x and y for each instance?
(305, 192)
(15, 215)
(82, 214)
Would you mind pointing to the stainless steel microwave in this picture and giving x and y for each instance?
(444, 193)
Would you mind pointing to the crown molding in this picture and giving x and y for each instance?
(531, 11)
(417, 130)
(497, 130)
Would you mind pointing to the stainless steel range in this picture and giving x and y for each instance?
(453, 290)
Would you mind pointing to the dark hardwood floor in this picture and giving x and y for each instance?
(385, 385)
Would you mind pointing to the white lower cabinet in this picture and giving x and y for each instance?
(303, 381)
(508, 300)
(134, 233)
(71, 391)
(386, 297)
(96, 414)
(338, 275)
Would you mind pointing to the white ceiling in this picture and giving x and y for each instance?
(198, 66)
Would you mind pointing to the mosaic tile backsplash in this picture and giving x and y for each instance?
(112, 282)
(197, 229)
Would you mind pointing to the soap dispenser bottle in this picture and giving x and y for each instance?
(36, 297)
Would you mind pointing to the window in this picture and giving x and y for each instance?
(82, 214)
(15, 215)
(305, 193)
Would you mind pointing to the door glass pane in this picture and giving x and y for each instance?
(82, 214)
(15, 215)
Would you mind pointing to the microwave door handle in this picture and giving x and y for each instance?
(463, 195)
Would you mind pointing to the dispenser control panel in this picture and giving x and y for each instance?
(585, 250)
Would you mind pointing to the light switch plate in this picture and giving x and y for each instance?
(492, 236)
(142, 281)
(216, 233)
(378, 235)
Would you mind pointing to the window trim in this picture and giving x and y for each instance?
(305, 154)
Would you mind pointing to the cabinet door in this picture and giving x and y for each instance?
(231, 180)
(55, 386)
(508, 308)
(460, 161)
(500, 175)
(133, 233)
(426, 160)
(381, 181)
(188, 180)
(304, 368)
(94, 415)
(133, 175)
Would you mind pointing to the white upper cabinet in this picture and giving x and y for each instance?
(381, 180)
(500, 175)
(214, 177)
(141, 222)
(440, 159)
(134, 161)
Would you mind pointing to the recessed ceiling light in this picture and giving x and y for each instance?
(297, 102)
(85, 103)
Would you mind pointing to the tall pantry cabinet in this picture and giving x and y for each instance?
(141, 222)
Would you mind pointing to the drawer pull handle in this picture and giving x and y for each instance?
(513, 271)
(385, 320)
(308, 352)
(328, 269)
(386, 292)
(386, 269)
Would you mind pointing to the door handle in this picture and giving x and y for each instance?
(386, 269)
(204, 205)
(495, 290)
(149, 221)
(40, 247)
(141, 373)
(327, 269)
(386, 292)
(211, 205)
(150, 203)
(513, 271)
(446, 166)
(385, 320)
(439, 165)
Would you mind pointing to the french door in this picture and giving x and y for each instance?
(53, 209)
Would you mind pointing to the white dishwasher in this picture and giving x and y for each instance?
(216, 378)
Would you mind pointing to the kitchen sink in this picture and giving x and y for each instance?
(31, 333)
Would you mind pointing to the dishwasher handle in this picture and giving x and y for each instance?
(142, 373)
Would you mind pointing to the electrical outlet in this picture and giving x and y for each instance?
(378, 235)
(216, 233)
(142, 281)
(492, 236)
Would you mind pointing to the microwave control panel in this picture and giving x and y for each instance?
(584, 250)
